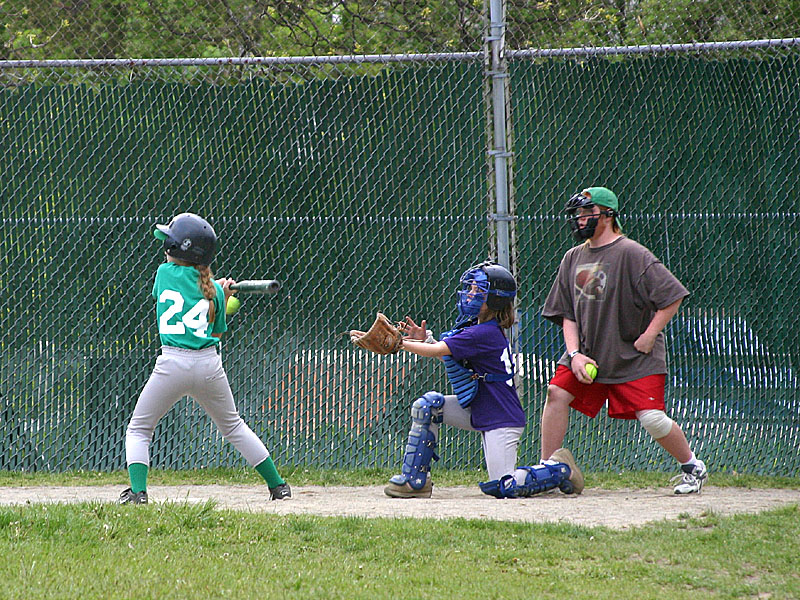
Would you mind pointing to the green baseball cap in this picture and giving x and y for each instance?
(603, 197)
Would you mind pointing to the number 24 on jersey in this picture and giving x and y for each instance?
(195, 319)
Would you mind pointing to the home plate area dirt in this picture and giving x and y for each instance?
(618, 509)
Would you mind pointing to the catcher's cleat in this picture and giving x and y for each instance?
(574, 483)
(406, 491)
(280, 492)
(129, 497)
(692, 479)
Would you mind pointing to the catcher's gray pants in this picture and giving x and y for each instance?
(499, 445)
(199, 374)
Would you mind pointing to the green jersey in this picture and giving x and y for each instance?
(182, 311)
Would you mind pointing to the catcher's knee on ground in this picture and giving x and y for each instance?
(559, 471)
(655, 422)
(421, 446)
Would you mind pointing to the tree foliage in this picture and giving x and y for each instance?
(43, 29)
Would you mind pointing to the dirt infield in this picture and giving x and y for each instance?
(619, 509)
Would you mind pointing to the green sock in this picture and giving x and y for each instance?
(138, 474)
(270, 474)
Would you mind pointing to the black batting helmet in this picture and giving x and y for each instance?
(188, 237)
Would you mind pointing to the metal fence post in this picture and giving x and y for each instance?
(500, 152)
(498, 73)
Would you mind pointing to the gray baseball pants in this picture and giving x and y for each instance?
(197, 373)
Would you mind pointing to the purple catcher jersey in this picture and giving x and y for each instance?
(486, 349)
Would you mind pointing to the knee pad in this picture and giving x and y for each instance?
(655, 422)
(427, 409)
(528, 481)
(421, 445)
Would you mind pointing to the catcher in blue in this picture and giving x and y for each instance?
(190, 311)
(480, 368)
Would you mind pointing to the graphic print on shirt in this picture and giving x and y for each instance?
(590, 281)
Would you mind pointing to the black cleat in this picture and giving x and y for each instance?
(280, 492)
(129, 497)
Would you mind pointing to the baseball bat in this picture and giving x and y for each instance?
(257, 286)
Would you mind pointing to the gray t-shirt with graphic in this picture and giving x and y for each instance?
(612, 293)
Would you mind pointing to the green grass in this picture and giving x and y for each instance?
(172, 550)
(299, 476)
(88, 551)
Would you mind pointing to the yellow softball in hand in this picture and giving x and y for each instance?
(591, 370)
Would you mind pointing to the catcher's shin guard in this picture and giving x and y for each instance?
(421, 441)
(528, 481)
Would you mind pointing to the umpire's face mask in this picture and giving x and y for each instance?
(585, 231)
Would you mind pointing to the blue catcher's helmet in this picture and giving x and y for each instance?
(485, 282)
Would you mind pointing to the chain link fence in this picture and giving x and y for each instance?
(346, 149)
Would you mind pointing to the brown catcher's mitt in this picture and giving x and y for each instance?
(384, 337)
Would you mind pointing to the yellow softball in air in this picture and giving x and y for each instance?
(591, 370)
(232, 307)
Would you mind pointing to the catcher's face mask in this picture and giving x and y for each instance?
(472, 293)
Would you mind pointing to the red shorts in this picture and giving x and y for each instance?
(624, 399)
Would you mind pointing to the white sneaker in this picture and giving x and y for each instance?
(692, 478)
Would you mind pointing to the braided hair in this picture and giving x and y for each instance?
(208, 289)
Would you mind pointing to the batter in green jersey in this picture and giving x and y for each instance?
(190, 312)
(182, 309)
